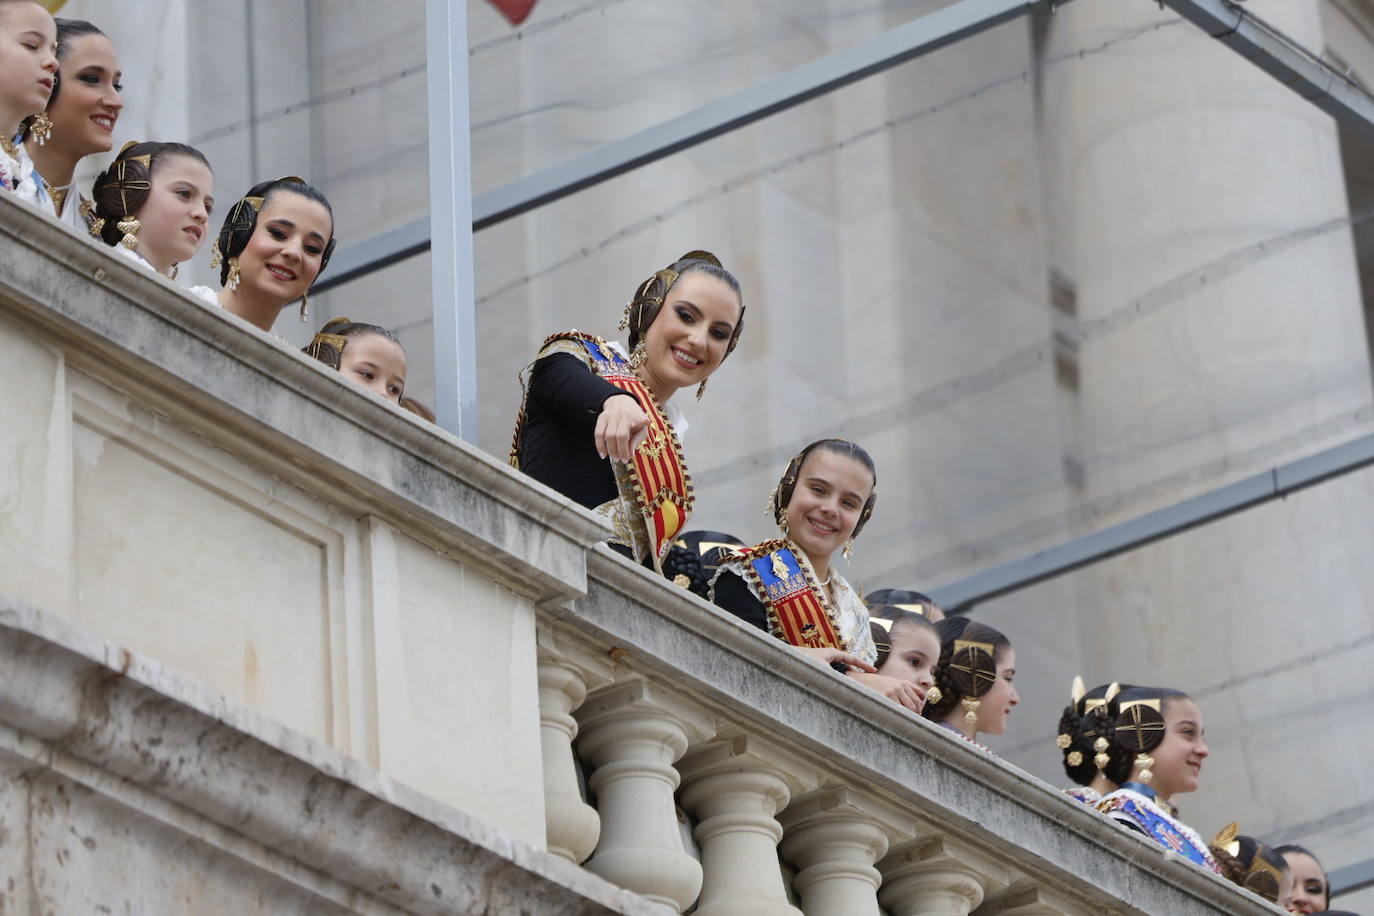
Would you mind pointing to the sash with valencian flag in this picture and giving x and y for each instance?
(655, 489)
(783, 581)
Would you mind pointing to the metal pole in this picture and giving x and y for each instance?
(450, 222)
(897, 46)
(1211, 506)
(1288, 62)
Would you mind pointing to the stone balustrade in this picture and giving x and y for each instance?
(279, 641)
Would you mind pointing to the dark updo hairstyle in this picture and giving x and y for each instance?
(120, 191)
(1246, 861)
(648, 299)
(907, 600)
(242, 219)
(1082, 724)
(782, 493)
(967, 668)
(67, 29)
(695, 557)
(887, 620)
(329, 342)
(1138, 726)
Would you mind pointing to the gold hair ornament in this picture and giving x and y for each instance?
(1228, 839)
(40, 128)
(1075, 758)
(934, 695)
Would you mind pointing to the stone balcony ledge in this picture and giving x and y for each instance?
(253, 574)
(87, 726)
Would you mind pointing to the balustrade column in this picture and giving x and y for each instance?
(834, 838)
(571, 825)
(632, 734)
(937, 877)
(735, 790)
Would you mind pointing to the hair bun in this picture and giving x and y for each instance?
(1140, 725)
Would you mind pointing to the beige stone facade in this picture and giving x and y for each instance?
(1056, 276)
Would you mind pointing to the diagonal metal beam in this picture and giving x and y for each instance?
(897, 46)
(1352, 878)
(1276, 483)
(1284, 59)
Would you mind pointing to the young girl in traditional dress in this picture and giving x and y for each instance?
(365, 354)
(600, 426)
(79, 120)
(1161, 730)
(908, 645)
(973, 679)
(789, 587)
(28, 72)
(274, 242)
(153, 204)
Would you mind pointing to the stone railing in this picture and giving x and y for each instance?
(281, 633)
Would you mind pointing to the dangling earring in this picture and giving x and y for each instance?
(625, 319)
(970, 710)
(849, 549)
(216, 256)
(638, 356)
(701, 389)
(40, 128)
(173, 274)
(232, 281)
(129, 225)
(305, 307)
(1144, 762)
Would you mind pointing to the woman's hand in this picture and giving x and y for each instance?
(903, 693)
(829, 657)
(620, 428)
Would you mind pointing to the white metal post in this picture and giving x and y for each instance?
(450, 218)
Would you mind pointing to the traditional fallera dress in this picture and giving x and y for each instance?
(17, 175)
(1086, 795)
(772, 586)
(647, 500)
(1137, 806)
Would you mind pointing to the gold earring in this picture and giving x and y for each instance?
(701, 389)
(1144, 762)
(971, 710)
(934, 695)
(216, 256)
(97, 226)
(232, 281)
(40, 128)
(129, 226)
(305, 307)
(173, 274)
(849, 549)
(625, 319)
(638, 356)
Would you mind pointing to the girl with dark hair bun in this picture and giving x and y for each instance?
(789, 586)
(28, 73)
(365, 354)
(1090, 759)
(1311, 892)
(1251, 864)
(1162, 731)
(906, 600)
(80, 117)
(973, 679)
(153, 204)
(273, 244)
(598, 425)
(908, 645)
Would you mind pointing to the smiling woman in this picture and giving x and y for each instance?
(153, 204)
(598, 425)
(274, 242)
(80, 118)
